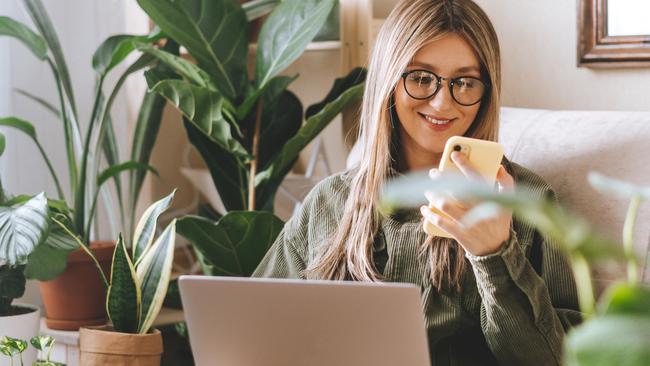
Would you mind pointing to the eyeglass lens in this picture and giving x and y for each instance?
(421, 84)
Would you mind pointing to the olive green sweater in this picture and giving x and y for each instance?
(514, 306)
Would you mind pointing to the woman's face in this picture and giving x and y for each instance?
(425, 125)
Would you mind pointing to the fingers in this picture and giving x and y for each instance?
(465, 166)
(446, 224)
(505, 181)
(447, 206)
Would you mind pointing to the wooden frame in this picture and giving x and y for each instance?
(597, 49)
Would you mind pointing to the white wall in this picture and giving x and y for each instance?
(538, 45)
(81, 26)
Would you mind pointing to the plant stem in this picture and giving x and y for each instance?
(85, 249)
(51, 169)
(628, 238)
(582, 275)
(256, 141)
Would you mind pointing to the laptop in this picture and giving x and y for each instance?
(278, 322)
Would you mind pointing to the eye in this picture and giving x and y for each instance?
(420, 77)
(467, 83)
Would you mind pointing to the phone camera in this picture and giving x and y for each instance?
(457, 148)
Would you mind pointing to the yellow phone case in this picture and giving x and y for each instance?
(485, 157)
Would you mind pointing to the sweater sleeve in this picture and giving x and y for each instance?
(524, 315)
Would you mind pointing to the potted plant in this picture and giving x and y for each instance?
(248, 129)
(136, 288)
(12, 347)
(76, 296)
(616, 329)
(24, 227)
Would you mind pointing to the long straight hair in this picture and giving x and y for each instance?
(410, 26)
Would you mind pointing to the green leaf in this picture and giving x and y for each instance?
(236, 243)
(271, 91)
(617, 187)
(12, 28)
(258, 8)
(124, 299)
(286, 33)
(47, 105)
(22, 229)
(12, 286)
(144, 139)
(16, 346)
(19, 124)
(3, 143)
(117, 48)
(154, 272)
(229, 175)
(626, 299)
(47, 262)
(43, 342)
(355, 77)
(42, 21)
(203, 107)
(268, 180)
(115, 170)
(188, 70)
(609, 340)
(215, 33)
(146, 228)
(280, 122)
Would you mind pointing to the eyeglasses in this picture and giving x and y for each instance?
(424, 84)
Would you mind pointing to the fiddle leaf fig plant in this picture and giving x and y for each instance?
(247, 126)
(616, 328)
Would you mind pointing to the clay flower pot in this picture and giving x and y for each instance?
(100, 346)
(77, 297)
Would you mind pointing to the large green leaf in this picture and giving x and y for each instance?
(355, 77)
(280, 122)
(609, 340)
(286, 33)
(154, 272)
(146, 228)
(22, 229)
(203, 107)
(12, 28)
(117, 48)
(115, 170)
(42, 21)
(12, 286)
(3, 144)
(188, 70)
(236, 243)
(271, 91)
(123, 299)
(215, 33)
(617, 187)
(268, 180)
(229, 175)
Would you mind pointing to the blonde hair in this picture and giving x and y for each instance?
(411, 25)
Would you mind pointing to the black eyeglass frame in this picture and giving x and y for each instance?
(451, 83)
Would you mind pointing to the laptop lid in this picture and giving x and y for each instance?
(278, 322)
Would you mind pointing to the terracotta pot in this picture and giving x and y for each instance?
(23, 325)
(100, 346)
(77, 297)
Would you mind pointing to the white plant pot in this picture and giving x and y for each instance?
(23, 326)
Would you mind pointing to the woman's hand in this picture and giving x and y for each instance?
(482, 238)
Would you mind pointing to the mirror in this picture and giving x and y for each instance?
(614, 33)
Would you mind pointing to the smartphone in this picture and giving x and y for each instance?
(485, 157)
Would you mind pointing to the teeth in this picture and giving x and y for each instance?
(437, 121)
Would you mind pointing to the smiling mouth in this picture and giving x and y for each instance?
(435, 121)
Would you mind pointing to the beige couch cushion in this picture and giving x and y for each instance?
(563, 146)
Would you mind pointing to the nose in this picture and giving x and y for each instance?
(442, 101)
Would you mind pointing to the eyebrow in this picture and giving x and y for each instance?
(459, 70)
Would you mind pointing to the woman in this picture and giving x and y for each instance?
(497, 293)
